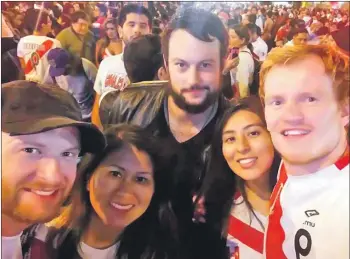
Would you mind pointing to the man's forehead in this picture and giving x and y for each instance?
(72, 134)
(188, 40)
(136, 17)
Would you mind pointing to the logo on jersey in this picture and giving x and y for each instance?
(311, 213)
(116, 81)
(35, 58)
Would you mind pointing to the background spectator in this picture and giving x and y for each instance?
(78, 39)
(110, 44)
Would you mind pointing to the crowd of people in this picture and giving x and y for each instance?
(168, 130)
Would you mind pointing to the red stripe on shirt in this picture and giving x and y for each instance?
(246, 234)
(274, 234)
(41, 51)
(344, 160)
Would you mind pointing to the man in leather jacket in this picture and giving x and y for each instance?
(183, 113)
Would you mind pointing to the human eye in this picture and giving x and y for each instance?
(276, 103)
(142, 179)
(206, 65)
(180, 64)
(69, 154)
(131, 24)
(254, 133)
(30, 150)
(116, 173)
(230, 140)
(143, 26)
(311, 99)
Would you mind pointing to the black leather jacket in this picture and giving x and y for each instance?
(137, 104)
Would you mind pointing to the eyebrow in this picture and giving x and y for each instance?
(26, 142)
(246, 127)
(73, 148)
(271, 97)
(182, 60)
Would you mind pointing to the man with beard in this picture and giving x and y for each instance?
(182, 113)
(42, 136)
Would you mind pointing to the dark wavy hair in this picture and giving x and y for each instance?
(242, 32)
(150, 236)
(220, 183)
(201, 24)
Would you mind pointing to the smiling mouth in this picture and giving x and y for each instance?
(295, 132)
(43, 193)
(122, 207)
(246, 161)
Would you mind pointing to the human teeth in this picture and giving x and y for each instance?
(294, 132)
(121, 207)
(43, 193)
(246, 161)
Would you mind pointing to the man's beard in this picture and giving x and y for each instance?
(23, 212)
(180, 100)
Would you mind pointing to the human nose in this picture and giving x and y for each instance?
(193, 76)
(243, 145)
(292, 113)
(125, 186)
(137, 30)
(50, 171)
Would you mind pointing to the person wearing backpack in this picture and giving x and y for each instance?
(242, 76)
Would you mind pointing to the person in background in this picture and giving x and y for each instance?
(344, 21)
(133, 22)
(242, 75)
(78, 40)
(237, 17)
(32, 50)
(10, 64)
(164, 21)
(118, 207)
(112, 12)
(261, 18)
(312, 108)
(110, 44)
(100, 15)
(68, 9)
(269, 23)
(77, 80)
(240, 178)
(259, 45)
(144, 62)
(299, 36)
(42, 137)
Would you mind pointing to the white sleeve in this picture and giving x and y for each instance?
(20, 52)
(243, 68)
(98, 86)
(57, 43)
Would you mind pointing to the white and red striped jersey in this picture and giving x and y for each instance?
(33, 49)
(245, 234)
(309, 215)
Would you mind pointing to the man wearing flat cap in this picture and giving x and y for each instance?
(43, 137)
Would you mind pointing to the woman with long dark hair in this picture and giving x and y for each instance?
(119, 203)
(110, 44)
(242, 75)
(240, 178)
